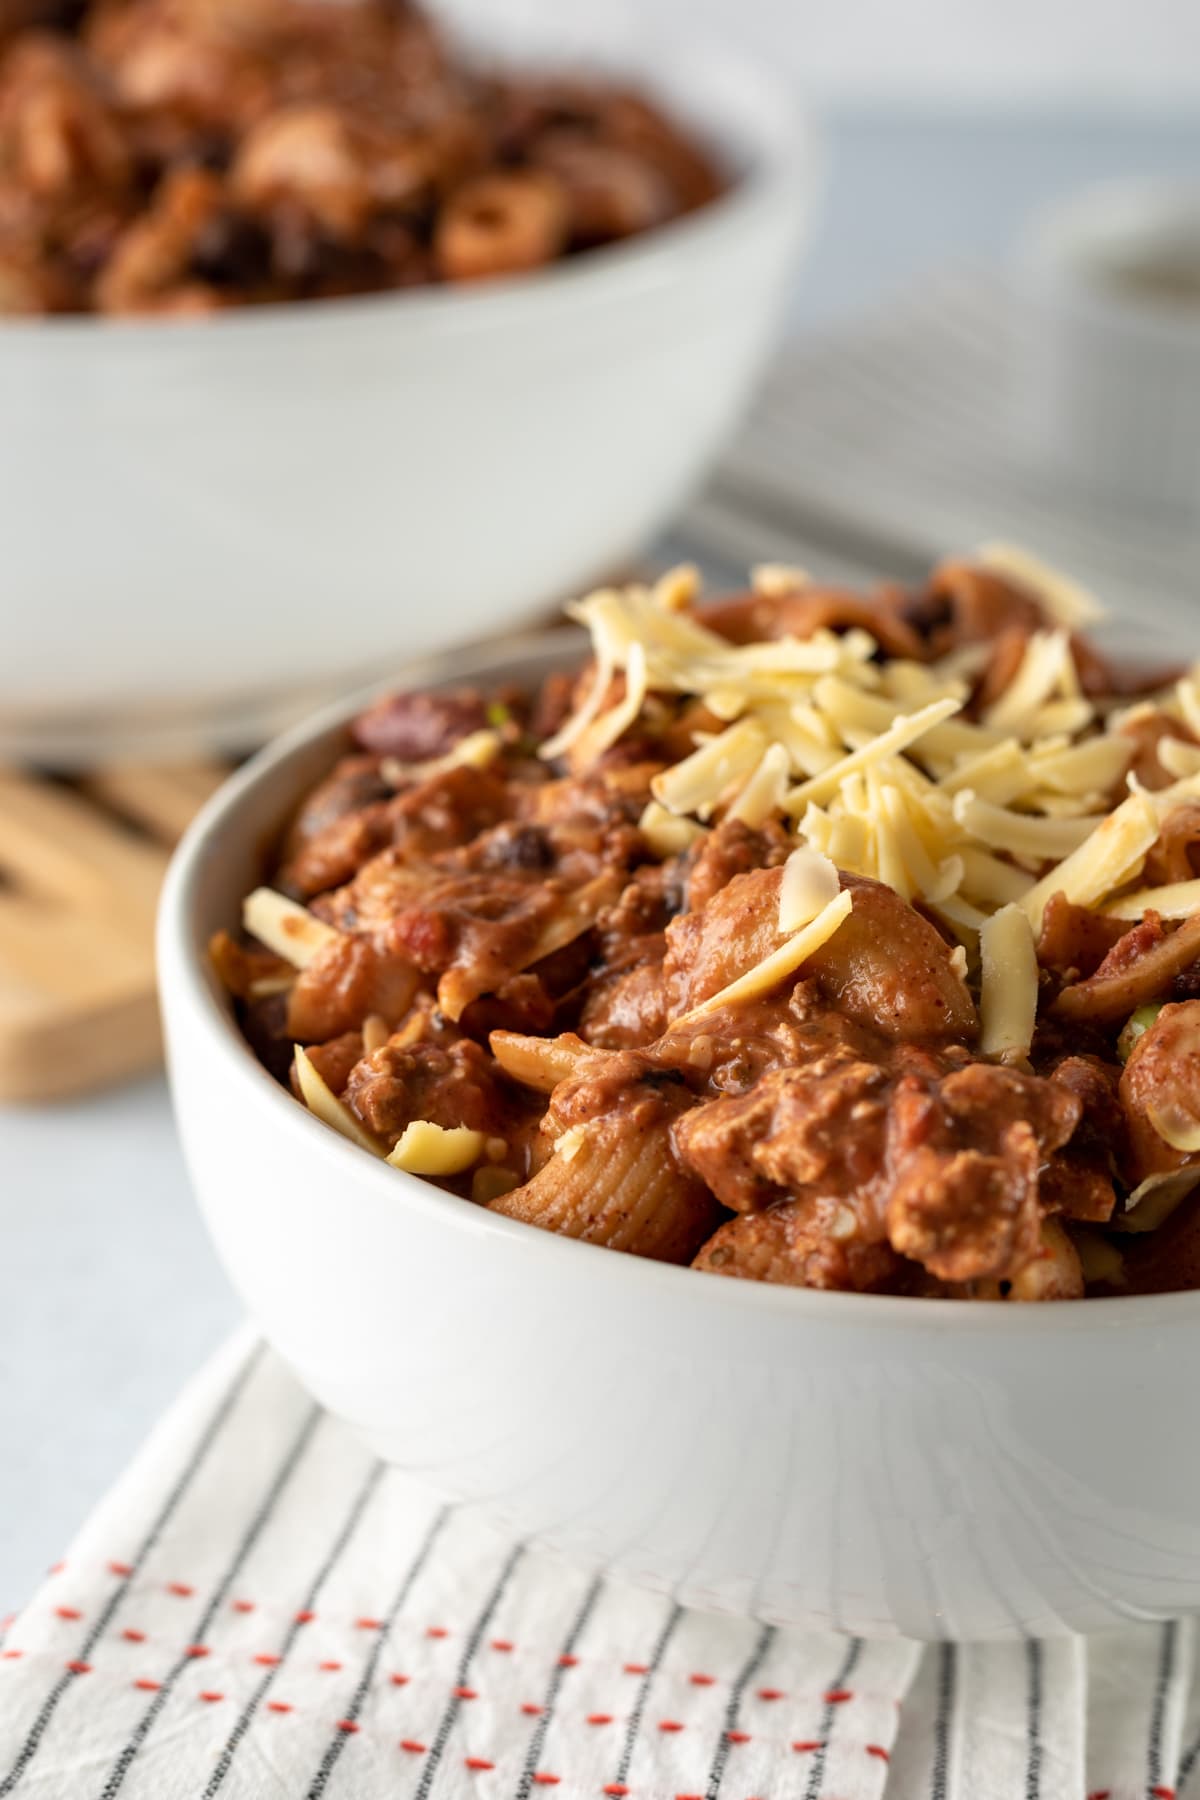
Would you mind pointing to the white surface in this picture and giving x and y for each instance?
(92, 1195)
(109, 1295)
(322, 485)
(1135, 52)
(827, 1461)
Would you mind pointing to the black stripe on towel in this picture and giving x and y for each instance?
(733, 1707)
(340, 1738)
(1033, 1720)
(307, 1605)
(842, 1674)
(446, 1725)
(1187, 1763)
(250, 1537)
(634, 1723)
(578, 1626)
(108, 1611)
(946, 1694)
(1162, 1683)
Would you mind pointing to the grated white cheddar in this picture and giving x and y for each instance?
(1109, 857)
(1063, 598)
(1176, 900)
(320, 1099)
(1008, 993)
(810, 883)
(428, 1149)
(780, 964)
(478, 750)
(288, 929)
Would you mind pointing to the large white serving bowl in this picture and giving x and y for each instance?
(201, 518)
(879, 1465)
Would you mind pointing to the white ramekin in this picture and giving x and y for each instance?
(879, 1465)
(201, 518)
(1109, 381)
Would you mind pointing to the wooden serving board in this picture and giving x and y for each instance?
(81, 863)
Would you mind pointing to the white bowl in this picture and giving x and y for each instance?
(1109, 389)
(202, 518)
(879, 1465)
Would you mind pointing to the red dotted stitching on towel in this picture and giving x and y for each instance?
(670, 1725)
(399, 1680)
(369, 1624)
(545, 1780)
(279, 1706)
(809, 1744)
(133, 1636)
(617, 1789)
(531, 1709)
(879, 1751)
(738, 1737)
(197, 1651)
(636, 1669)
(412, 1746)
(11, 1655)
(267, 1659)
(211, 1697)
(56, 1568)
(68, 1612)
(771, 1694)
(79, 1668)
(146, 1685)
(837, 1696)
(1163, 1793)
(242, 1606)
(702, 1680)
(465, 1693)
(180, 1589)
(478, 1762)
(328, 1666)
(1100, 1794)
(502, 1644)
(348, 1726)
(120, 1568)
(689, 1797)
(437, 1631)
(305, 1617)
(567, 1662)
(599, 1718)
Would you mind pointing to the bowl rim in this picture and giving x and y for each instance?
(185, 985)
(784, 159)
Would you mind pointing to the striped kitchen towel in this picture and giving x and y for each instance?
(260, 1610)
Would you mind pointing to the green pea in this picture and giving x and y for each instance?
(1134, 1026)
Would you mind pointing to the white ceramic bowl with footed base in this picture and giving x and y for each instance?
(879, 1465)
(206, 520)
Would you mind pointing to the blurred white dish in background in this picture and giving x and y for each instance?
(201, 519)
(1109, 393)
(932, 1467)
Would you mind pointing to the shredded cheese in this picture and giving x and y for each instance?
(320, 1099)
(1108, 857)
(780, 964)
(1177, 900)
(288, 929)
(1064, 599)
(478, 750)
(428, 1149)
(1008, 984)
(810, 883)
